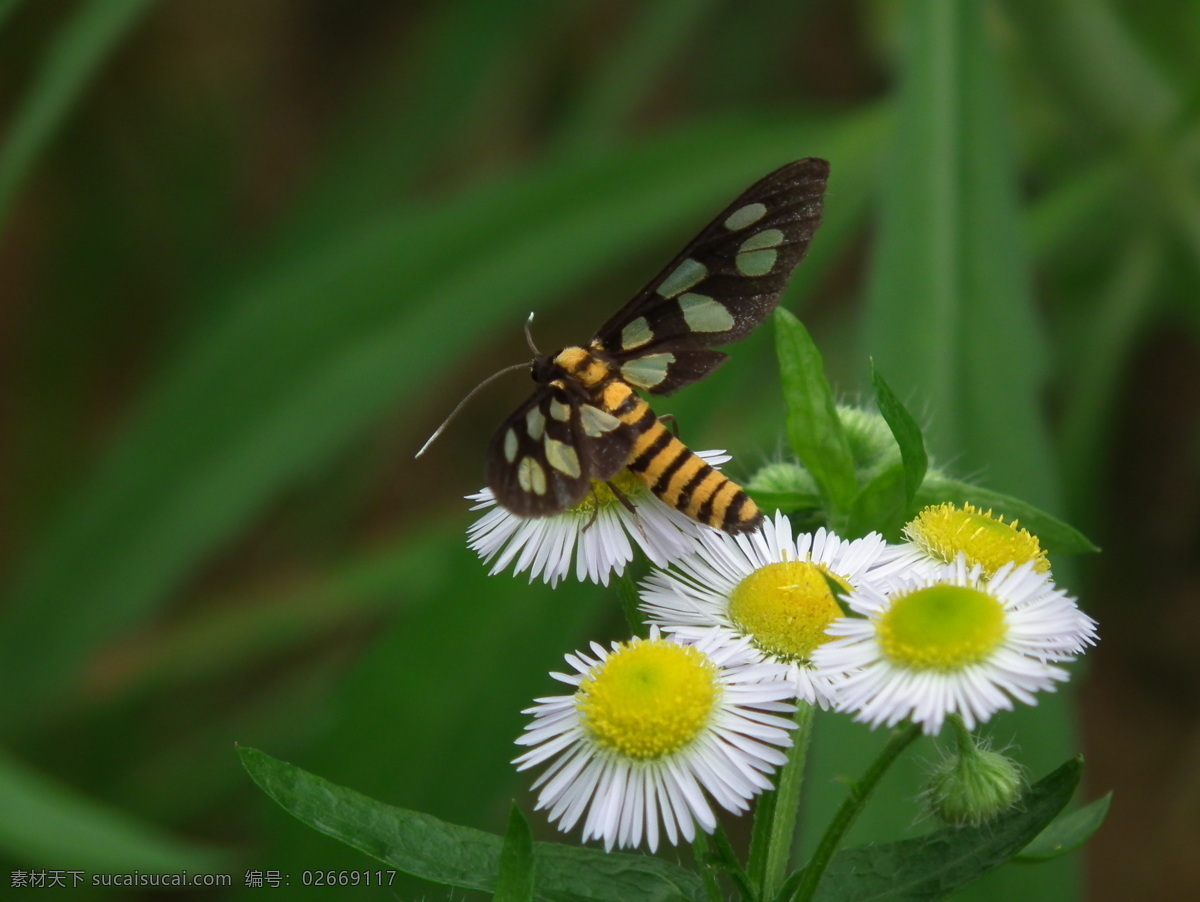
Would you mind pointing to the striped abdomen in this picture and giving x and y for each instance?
(680, 478)
(665, 464)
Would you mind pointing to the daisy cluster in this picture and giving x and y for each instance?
(960, 621)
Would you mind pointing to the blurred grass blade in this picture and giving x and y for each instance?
(514, 883)
(46, 823)
(950, 316)
(312, 353)
(813, 427)
(652, 41)
(448, 854)
(81, 45)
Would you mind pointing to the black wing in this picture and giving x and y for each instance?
(542, 458)
(719, 287)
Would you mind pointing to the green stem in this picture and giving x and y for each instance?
(627, 589)
(704, 864)
(775, 814)
(728, 861)
(849, 811)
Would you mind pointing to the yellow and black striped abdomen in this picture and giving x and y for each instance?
(683, 480)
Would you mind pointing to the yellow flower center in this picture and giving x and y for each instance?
(785, 607)
(649, 698)
(627, 484)
(944, 530)
(941, 627)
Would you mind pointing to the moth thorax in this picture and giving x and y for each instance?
(544, 369)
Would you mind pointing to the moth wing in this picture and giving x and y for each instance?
(721, 286)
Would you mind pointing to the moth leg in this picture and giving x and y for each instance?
(595, 510)
(620, 496)
(669, 418)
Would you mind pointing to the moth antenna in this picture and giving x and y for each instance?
(529, 337)
(471, 394)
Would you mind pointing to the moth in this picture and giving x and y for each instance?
(585, 421)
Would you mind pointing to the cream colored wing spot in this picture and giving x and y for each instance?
(703, 314)
(559, 410)
(757, 254)
(687, 274)
(648, 371)
(531, 476)
(745, 216)
(562, 457)
(535, 423)
(510, 445)
(636, 334)
(596, 422)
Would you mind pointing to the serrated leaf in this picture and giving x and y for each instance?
(434, 850)
(813, 428)
(934, 866)
(515, 881)
(906, 431)
(1054, 535)
(1066, 833)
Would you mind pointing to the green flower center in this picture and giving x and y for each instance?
(941, 627)
(649, 698)
(603, 495)
(785, 607)
(944, 530)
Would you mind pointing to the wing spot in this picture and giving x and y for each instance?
(687, 274)
(745, 216)
(759, 240)
(756, 263)
(531, 476)
(559, 410)
(596, 422)
(703, 314)
(510, 445)
(648, 371)
(636, 334)
(535, 423)
(562, 457)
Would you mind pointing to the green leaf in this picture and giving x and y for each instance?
(813, 428)
(43, 822)
(907, 433)
(882, 505)
(515, 881)
(951, 316)
(933, 866)
(787, 502)
(1054, 535)
(463, 857)
(1067, 832)
(76, 52)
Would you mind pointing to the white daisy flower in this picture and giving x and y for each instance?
(770, 588)
(653, 730)
(596, 532)
(941, 532)
(961, 643)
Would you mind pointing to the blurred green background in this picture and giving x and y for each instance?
(253, 252)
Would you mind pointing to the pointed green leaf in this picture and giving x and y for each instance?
(933, 866)
(1053, 534)
(1066, 833)
(515, 881)
(813, 428)
(444, 853)
(907, 433)
(882, 505)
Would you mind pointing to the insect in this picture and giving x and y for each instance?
(585, 422)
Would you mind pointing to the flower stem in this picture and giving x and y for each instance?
(775, 814)
(627, 589)
(849, 811)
